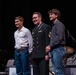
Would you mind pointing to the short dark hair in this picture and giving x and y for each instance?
(38, 13)
(19, 18)
(56, 12)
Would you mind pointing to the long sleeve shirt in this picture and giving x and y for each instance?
(23, 38)
(57, 34)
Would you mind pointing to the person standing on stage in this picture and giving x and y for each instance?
(23, 46)
(57, 41)
(40, 41)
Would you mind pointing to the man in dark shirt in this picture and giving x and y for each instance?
(40, 41)
(57, 41)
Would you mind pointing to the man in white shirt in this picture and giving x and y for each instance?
(23, 46)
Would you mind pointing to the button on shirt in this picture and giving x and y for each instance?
(23, 38)
(57, 34)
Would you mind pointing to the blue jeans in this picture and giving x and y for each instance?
(57, 60)
(22, 62)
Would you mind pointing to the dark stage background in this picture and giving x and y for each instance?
(12, 8)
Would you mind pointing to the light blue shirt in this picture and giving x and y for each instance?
(23, 38)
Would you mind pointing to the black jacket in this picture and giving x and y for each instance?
(40, 40)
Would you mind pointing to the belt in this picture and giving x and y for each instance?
(21, 49)
(56, 46)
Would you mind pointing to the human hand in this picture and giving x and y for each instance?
(46, 57)
(48, 48)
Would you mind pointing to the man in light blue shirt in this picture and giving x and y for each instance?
(23, 46)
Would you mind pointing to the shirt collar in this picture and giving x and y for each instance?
(20, 29)
(40, 24)
(56, 22)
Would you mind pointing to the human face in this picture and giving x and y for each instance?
(18, 23)
(52, 17)
(36, 19)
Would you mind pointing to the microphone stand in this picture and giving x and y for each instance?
(70, 36)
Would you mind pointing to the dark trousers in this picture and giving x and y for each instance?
(40, 66)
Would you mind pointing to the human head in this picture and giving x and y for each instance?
(54, 14)
(19, 21)
(36, 18)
